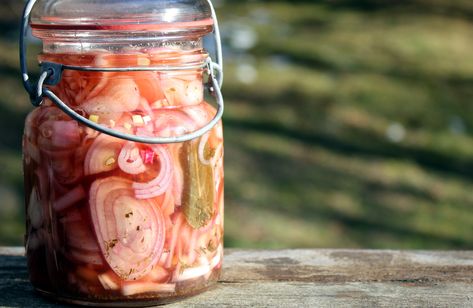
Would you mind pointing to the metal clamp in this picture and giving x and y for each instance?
(51, 75)
(35, 100)
(218, 46)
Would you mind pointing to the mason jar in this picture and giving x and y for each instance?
(123, 156)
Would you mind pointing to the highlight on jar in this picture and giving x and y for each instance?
(113, 219)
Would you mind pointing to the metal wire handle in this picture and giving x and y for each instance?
(51, 75)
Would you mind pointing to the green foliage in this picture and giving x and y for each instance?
(334, 78)
(355, 132)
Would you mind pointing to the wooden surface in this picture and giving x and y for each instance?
(305, 278)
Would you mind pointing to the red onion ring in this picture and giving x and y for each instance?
(129, 159)
(102, 149)
(161, 182)
(130, 232)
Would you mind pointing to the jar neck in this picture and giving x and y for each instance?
(177, 50)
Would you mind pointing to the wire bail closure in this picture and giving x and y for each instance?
(51, 74)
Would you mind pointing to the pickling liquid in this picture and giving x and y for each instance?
(111, 221)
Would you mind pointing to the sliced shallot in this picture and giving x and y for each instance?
(149, 86)
(179, 91)
(59, 135)
(130, 160)
(92, 258)
(201, 149)
(160, 183)
(73, 215)
(147, 287)
(70, 198)
(31, 151)
(158, 274)
(102, 155)
(193, 272)
(121, 95)
(176, 229)
(130, 232)
(108, 282)
(178, 174)
(79, 236)
(198, 113)
(35, 209)
(171, 122)
(35, 239)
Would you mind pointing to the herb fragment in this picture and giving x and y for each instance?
(110, 244)
(212, 246)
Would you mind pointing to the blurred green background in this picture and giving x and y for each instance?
(348, 123)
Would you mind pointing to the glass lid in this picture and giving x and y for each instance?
(122, 15)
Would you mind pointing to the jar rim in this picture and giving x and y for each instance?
(120, 26)
(157, 16)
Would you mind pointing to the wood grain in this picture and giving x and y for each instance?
(305, 278)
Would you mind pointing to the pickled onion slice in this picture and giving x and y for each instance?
(178, 174)
(92, 258)
(192, 250)
(194, 272)
(130, 232)
(35, 239)
(73, 215)
(130, 160)
(144, 106)
(194, 92)
(58, 154)
(199, 114)
(179, 91)
(202, 146)
(66, 134)
(216, 260)
(102, 155)
(176, 229)
(108, 282)
(59, 135)
(96, 85)
(149, 86)
(42, 180)
(146, 287)
(86, 275)
(31, 152)
(171, 122)
(168, 204)
(158, 274)
(70, 198)
(35, 209)
(79, 236)
(161, 182)
(212, 111)
(121, 95)
(77, 86)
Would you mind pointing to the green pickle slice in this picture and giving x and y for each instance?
(198, 194)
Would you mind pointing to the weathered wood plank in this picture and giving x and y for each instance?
(305, 278)
(347, 265)
(354, 294)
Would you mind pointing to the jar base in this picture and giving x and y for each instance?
(134, 302)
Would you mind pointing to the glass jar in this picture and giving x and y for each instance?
(123, 157)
